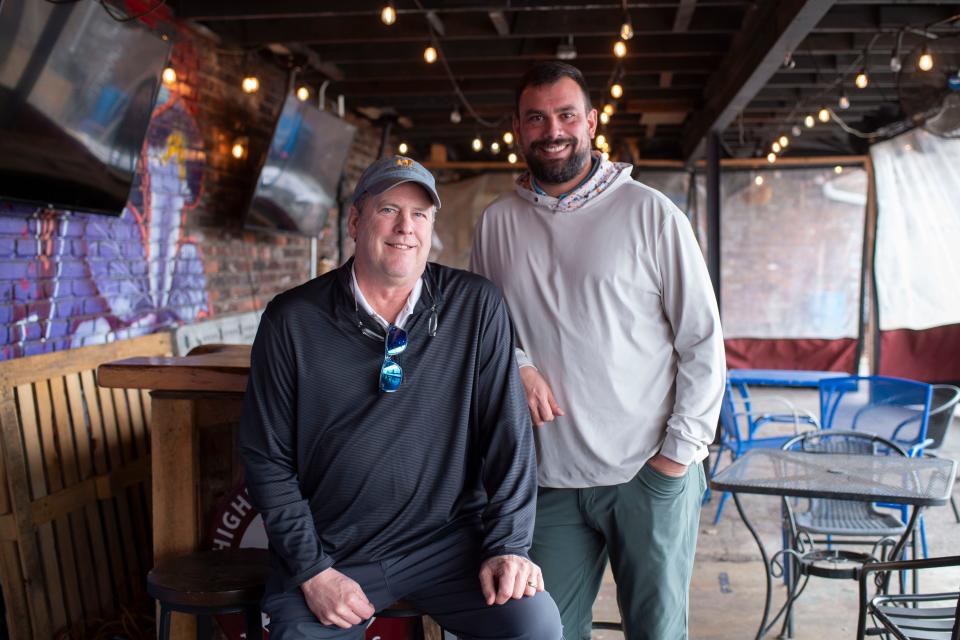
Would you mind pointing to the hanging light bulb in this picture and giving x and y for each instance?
(600, 140)
(771, 157)
(758, 181)
(784, 141)
(508, 137)
(838, 169)
(495, 147)
(620, 49)
(477, 144)
(512, 158)
(808, 122)
(250, 84)
(775, 147)
(626, 29)
(455, 116)
(604, 118)
(303, 93)
(430, 55)
(823, 115)
(616, 90)
(844, 102)
(796, 130)
(608, 109)
(862, 80)
(388, 15)
(239, 148)
(925, 61)
(169, 76)
(402, 148)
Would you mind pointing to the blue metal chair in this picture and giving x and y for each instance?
(892, 408)
(738, 433)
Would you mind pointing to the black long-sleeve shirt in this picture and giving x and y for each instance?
(344, 473)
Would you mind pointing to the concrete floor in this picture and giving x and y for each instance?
(726, 597)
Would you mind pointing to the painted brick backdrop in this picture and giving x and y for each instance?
(179, 253)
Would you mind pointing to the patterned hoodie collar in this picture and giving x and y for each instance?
(605, 175)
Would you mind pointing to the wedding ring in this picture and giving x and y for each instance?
(532, 584)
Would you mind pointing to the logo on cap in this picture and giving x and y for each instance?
(404, 162)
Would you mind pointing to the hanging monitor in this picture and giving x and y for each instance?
(297, 185)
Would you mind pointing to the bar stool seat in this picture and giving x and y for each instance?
(206, 583)
(426, 627)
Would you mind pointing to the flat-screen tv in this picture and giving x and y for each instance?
(297, 183)
(76, 92)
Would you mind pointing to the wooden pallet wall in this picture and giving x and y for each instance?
(75, 540)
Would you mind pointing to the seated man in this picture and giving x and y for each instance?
(386, 437)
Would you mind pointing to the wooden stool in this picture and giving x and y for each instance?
(207, 583)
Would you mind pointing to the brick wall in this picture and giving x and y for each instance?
(178, 253)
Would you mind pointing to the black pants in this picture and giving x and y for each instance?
(440, 579)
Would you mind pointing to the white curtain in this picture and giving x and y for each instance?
(918, 230)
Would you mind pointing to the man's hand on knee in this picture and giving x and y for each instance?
(506, 577)
(336, 599)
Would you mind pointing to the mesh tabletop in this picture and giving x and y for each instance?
(916, 481)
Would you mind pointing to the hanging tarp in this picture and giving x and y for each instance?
(918, 255)
(791, 253)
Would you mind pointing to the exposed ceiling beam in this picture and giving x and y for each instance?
(771, 30)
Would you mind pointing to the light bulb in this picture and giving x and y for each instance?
(838, 169)
(495, 147)
(239, 149)
(862, 80)
(508, 137)
(616, 91)
(608, 109)
(925, 62)
(796, 131)
(430, 55)
(895, 64)
(771, 157)
(303, 94)
(604, 118)
(455, 116)
(600, 140)
(758, 181)
(784, 141)
(808, 122)
(250, 84)
(844, 102)
(512, 158)
(169, 76)
(626, 30)
(620, 49)
(477, 144)
(775, 147)
(388, 15)
(402, 148)
(823, 115)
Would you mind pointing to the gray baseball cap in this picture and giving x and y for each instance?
(386, 173)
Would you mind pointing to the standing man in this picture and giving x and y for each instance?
(621, 354)
(385, 438)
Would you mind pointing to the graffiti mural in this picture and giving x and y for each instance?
(75, 279)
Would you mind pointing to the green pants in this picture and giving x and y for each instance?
(647, 526)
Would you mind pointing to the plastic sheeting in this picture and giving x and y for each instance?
(918, 230)
(791, 251)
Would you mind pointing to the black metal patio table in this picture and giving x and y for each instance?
(919, 482)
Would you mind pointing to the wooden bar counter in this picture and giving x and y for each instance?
(188, 393)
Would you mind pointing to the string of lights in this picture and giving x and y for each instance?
(808, 104)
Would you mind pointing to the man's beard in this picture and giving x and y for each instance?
(553, 172)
